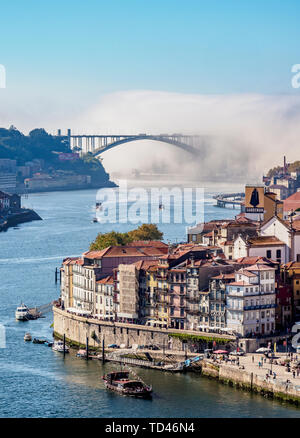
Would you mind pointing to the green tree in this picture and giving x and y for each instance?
(109, 239)
(146, 232)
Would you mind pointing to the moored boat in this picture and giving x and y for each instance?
(120, 382)
(27, 337)
(81, 353)
(59, 346)
(39, 341)
(22, 313)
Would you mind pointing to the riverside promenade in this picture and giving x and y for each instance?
(246, 373)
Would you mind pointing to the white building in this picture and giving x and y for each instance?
(251, 301)
(270, 247)
(287, 232)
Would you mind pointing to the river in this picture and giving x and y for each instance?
(37, 382)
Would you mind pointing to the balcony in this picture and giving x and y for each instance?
(261, 306)
(193, 299)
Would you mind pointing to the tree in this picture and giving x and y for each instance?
(109, 239)
(146, 232)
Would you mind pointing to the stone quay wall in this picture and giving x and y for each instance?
(251, 382)
(77, 329)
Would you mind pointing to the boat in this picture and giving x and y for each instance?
(59, 346)
(38, 341)
(95, 219)
(81, 353)
(22, 313)
(120, 382)
(27, 337)
(49, 343)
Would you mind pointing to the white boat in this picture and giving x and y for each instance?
(22, 313)
(59, 346)
(27, 337)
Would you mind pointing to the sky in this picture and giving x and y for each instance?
(67, 61)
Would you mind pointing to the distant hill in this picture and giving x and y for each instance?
(39, 144)
(292, 167)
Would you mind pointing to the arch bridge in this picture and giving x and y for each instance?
(98, 144)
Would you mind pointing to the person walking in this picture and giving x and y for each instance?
(294, 374)
(252, 359)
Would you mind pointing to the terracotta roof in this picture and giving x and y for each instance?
(253, 260)
(70, 260)
(245, 272)
(260, 267)
(106, 280)
(124, 251)
(146, 264)
(265, 241)
(295, 265)
(145, 243)
(224, 276)
(292, 202)
(296, 225)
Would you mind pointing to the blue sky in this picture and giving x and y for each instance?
(88, 48)
(211, 67)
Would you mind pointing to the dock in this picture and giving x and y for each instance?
(39, 312)
(229, 199)
(160, 365)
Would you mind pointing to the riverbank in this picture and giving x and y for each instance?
(247, 375)
(14, 219)
(72, 387)
(65, 188)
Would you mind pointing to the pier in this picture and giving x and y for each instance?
(229, 199)
(38, 312)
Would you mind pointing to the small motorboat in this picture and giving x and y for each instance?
(22, 313)
(81, 353)
(120, 382)
(49, 343)
(27, 337)
(95, 220)
(59, 346)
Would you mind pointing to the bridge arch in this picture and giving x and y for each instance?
(184, 146)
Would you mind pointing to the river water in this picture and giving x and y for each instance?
(37, 382)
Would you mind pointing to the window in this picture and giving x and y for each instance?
(278, 253)
(269, 254)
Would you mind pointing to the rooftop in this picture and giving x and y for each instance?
(265, 241)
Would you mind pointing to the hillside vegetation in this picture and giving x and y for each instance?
(38, 144)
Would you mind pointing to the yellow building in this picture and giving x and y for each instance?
(67, 281)
(260, 204)
(290, 273)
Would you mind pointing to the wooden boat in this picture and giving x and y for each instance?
(38, 341)
(120, 382)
